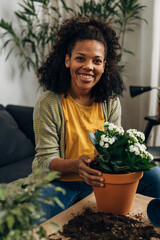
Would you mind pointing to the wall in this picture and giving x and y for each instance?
(138, 71)
(14, 88)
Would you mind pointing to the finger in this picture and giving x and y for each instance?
(91, 178)
(85, 159)
(84, 168)
(93, 182)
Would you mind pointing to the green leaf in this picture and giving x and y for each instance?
(6, 43)
(66, 7)
(22, 16)
(92, 138)
(3, 193)
(122, 168)
(10, 221)
(59, 203)
(105, 158)
(41, 1)
(105, 166)
(3, 214)
(130, 52)
(5, 25)
(119, 143)
(41, 232)
(9, 53)
(27, 10)
(59, 189)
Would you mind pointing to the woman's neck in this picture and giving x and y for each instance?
(82, 98)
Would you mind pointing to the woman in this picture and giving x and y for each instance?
(83, 83)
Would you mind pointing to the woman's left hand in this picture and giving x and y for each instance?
(90, 176)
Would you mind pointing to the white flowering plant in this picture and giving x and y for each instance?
(120, 152)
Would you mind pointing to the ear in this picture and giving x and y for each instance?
(67, 61)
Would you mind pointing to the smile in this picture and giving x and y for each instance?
(86, 76)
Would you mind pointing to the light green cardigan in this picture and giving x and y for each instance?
(49, 127)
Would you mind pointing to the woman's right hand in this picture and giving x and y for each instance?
(90, 176)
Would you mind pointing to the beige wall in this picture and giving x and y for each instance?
(14, 89)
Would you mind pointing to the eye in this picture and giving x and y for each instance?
(80, 59)
(98, 61)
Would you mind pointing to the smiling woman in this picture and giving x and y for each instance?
(83, 83)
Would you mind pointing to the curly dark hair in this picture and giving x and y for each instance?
(53, 74)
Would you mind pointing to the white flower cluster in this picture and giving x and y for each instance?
(106, 141)
(135, 135)
(140, 149)
(135, 140)
(111, 131)
(111, 128)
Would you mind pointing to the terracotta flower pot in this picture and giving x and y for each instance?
(118, 193)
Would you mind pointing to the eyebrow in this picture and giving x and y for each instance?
(85, 55)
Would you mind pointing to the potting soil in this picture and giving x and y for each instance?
(91, 225)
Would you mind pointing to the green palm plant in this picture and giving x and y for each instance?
(123, 15)
(39, 21)
(129, 16)
(103, 9)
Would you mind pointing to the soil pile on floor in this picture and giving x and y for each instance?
(104, 226)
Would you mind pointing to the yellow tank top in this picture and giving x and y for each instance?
(79, 120)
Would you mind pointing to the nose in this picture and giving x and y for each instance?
(88, 65)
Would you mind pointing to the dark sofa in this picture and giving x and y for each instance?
(17, 144)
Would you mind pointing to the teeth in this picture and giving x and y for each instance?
(86, 76)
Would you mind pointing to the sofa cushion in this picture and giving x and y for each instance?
(1, 107)
(16, 170)
(14, 145)
(24, 118)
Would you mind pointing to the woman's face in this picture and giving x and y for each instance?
(86, 65)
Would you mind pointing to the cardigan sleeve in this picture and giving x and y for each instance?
(112, 109)
(47, 128)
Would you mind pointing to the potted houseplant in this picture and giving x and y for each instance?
(122, 159)
(20, 208)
